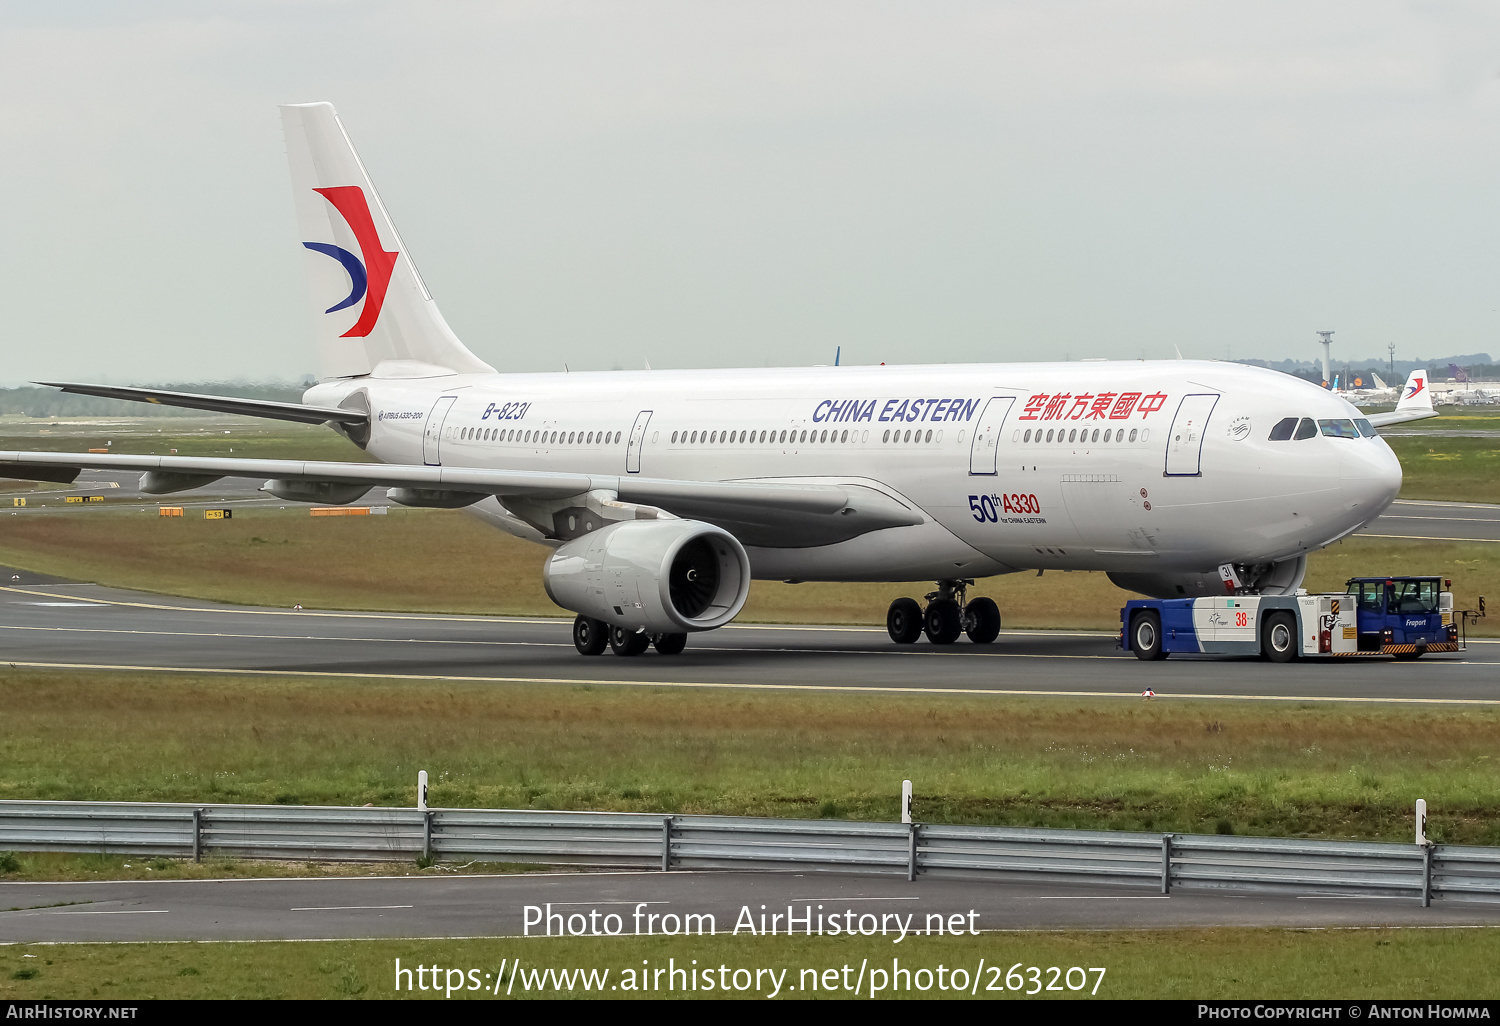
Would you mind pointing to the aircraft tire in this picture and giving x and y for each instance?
(983, 618)
(1278, 637)
(670, 644)
(628, 642)
(942, 622)
(1145, 636)
(903, 621)
(590, 636)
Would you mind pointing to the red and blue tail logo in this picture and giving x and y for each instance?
(1414, 387)
(369, 277)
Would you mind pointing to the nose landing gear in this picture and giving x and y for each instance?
(946, 617)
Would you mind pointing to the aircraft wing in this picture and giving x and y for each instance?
(758, 513)
(219, 403)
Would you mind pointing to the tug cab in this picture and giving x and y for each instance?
(1402, 615)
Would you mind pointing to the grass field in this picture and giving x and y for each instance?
(1449, 469)
(1183, 964)
(1255, 768)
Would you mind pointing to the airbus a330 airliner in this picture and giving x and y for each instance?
(663, 493)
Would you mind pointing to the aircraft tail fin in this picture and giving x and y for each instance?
(1380, 384)
(370, 305)
(1416, 396)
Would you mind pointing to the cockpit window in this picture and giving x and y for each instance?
(1366, 428)
(1338, 428)
(1306, 429)
(1283, 429)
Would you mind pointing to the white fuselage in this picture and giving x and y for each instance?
(1137, 467)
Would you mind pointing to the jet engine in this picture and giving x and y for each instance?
(1282, 578)
(667, 576)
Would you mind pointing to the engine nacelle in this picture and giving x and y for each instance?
(667, 576)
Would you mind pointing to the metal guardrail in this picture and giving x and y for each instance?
(641, 840)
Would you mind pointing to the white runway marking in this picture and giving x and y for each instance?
(344, 908)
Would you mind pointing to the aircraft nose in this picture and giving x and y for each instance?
(1369, 478)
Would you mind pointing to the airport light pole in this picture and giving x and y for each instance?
(1391, 348)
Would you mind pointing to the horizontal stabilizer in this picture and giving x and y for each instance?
(263, 408)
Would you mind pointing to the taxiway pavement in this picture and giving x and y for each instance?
(496, 906)
(49, 623)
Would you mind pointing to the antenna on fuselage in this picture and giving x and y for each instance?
(837, 352)
(1327, 345)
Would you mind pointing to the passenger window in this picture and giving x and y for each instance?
(1283, 429)
(1306, 429)
(1338, 428)
(1027, 436)
(1366, 428)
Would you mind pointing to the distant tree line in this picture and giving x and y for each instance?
(36, 401)
(1475, 365)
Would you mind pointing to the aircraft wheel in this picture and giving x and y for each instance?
(670, 644)
(1145, 636)
(943, 622)
(626, 641)
(904, 621)
(590, 635)
(1278, 637)
(983, 618)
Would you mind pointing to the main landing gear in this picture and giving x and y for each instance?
(592, 636)
(946, 617)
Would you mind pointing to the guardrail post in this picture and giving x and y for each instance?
(427, 833)
(666, 844)
(1166, 863)
(197, 835)
(911, 850)
(1427, 875)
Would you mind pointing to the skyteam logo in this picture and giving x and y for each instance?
(370, 277)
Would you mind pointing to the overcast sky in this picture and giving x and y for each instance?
(731, 184)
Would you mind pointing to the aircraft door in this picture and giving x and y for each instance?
(636, 443)
(432, 436)
(1185, 440)
(984, 451)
